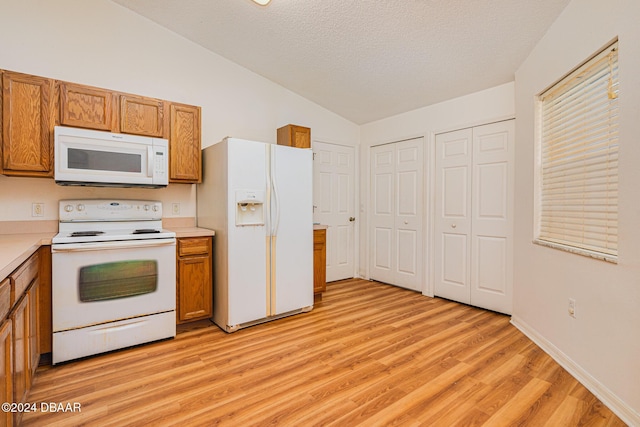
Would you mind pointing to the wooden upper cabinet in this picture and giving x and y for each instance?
(28, 117)
(30, 107)
(185, 164)
(87, 107)
(294, 136)
(142, 116)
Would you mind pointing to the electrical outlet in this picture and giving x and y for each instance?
(37, 209)
(175, 208)
(572, 307)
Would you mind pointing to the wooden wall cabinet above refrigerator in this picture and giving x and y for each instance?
(27, 147)
(294, 136)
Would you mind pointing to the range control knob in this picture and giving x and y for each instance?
(156, 208)
(80, 207)
(147, 207)
(68, 208)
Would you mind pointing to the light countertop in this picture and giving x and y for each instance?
(192, 232)
(17, 248)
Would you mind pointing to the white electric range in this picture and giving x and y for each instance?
(113, 282)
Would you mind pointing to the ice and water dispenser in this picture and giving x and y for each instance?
(249, 208)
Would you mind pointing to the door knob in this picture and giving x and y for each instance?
(352, 218)
(453, 226)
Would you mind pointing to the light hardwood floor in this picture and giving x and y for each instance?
(369, 354)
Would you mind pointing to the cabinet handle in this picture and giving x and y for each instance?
(453, 226)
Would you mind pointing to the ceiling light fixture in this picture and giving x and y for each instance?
(262, 2)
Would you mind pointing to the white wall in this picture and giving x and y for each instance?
(602, 344)
(100, 43)
(482, 107)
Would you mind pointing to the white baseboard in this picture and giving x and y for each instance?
(613, 402)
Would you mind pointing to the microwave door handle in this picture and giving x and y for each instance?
(150, 161)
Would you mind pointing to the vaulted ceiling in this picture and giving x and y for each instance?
(365, 59)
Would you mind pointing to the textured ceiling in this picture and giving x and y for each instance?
(365, 59)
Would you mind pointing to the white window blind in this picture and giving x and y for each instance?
(578, 206)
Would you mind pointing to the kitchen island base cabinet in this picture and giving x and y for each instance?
(194, 279)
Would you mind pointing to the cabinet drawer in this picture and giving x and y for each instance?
(5, 298)
(23, 276)
(193, 246)
(319, 239)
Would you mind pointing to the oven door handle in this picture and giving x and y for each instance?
(118, 244)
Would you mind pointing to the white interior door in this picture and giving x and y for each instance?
(396, 219)
(492, 222)
(473, 227)
(334, 201)
(452, 222)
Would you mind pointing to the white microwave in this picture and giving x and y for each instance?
(104, 159)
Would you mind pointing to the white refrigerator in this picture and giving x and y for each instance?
(258, 199)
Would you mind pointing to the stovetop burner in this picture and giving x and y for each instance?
(85, 233)
(145, 231)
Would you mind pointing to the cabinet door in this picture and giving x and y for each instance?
(141, 116)
(319, 261)
(28, 112)
(44, 304)
(87, 107)
(34, 324)
(184, 144)
(6, 370)
(20, 323)
(294, 136)
(194, 277)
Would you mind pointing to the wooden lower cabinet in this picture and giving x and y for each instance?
(45, 319)
(194, 279)
(319, 261)
(19, 334)
(21, 371)
(6, 370)
(33, 331)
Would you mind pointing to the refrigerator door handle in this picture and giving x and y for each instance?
(274, 184)
(267, 172)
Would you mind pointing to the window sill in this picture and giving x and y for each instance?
(584, 252)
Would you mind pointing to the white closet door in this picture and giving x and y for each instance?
(334, 199)
(452, 222)
(397, 199)
(492, 223)
(474, 225)
(383, 243)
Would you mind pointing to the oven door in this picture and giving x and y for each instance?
(100, 282)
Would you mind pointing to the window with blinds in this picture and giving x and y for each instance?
(578, 182)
